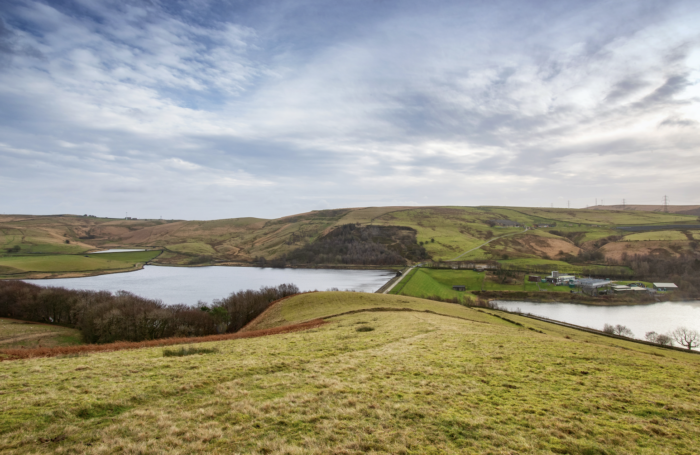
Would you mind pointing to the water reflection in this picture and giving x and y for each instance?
(191, 284)
(658, 317)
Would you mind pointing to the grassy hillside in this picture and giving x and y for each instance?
(447, 233)
(23, 334)
(377, 382)
(23, 266)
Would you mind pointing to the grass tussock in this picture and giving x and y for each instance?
(364, 328)
(188, 350)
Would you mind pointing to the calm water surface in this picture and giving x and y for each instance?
(191, 284)
(115, 251)
(658, 317)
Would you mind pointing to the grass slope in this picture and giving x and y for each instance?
(415, 383)
(74, 263)
(23, 334)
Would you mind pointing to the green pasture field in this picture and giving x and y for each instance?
(75, 263)
(407, 382)
(22, 334)
(429, 282)
(661, 235)
(35, 241)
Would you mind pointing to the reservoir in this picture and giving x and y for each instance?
(189, 285)
(115, 251)
(660, 317)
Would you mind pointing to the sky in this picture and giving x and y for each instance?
(218, 109)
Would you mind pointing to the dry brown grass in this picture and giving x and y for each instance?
(17, 354)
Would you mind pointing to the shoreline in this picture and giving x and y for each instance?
(581, 300)
(140, 266)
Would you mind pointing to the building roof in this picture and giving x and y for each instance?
(665, 285)
(507, 222)
(593, 282)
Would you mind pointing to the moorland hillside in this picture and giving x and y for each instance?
(381, 375)
(413, 233)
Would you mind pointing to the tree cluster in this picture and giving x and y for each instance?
(357, 245)
(103, 317)
(684, 270)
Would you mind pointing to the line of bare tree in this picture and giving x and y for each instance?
(103, 317)
(684, 336)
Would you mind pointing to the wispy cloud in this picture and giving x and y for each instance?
(256, 107)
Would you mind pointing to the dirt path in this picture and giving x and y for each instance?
(495, 238)
(388, 290)
(27, 337)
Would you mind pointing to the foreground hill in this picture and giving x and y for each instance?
(456, 380)
(410, 234)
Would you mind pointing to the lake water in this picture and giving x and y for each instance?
(190, 284)
(115, 251)
(660, 317)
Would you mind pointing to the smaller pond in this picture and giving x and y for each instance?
(115, 251)
(660, 317)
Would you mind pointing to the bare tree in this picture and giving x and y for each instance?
(686, 337)
(623, 331)
(618, 329)
(659, 338)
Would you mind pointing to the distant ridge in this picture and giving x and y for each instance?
(678, 209)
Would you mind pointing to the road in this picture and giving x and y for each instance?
(495, 238)
(399, 280)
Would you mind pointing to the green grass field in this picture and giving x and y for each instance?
(11, 265)
(22, 334)
(438, 282)
(371, 382)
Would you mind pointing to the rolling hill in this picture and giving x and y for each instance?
(446, 233)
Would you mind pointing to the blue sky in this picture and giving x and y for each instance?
(203, 110)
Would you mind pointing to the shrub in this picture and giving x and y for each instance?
(187, 350)
(364, 328)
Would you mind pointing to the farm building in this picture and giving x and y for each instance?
(665, 287)
(627, 288)
(593, 286)
(506, 223)
(557, 279)
(534, 278)
(459, 288)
